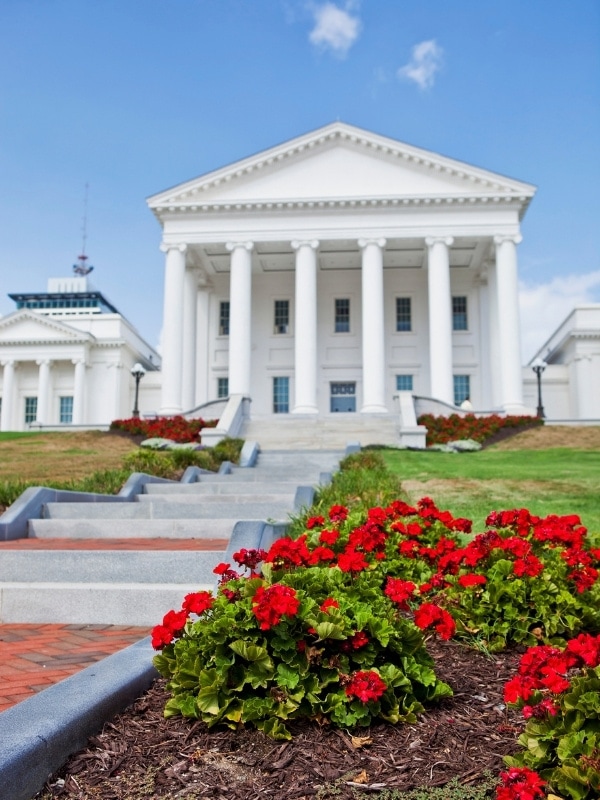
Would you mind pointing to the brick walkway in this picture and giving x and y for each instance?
(115, 544)
(34, 656)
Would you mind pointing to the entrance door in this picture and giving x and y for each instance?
(343, 397)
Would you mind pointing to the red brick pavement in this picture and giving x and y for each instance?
(34, 656)
(115, 544)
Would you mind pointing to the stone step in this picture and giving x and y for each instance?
(109, 566)
(123, 528)
(233, 501)
(239, 491)
(92, 603)
(324, 432)
(170, 509)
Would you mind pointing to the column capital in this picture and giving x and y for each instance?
(298, 243)
(381, 243)
(9, 362)
(166, 246)
(47, 362)
(431, 240)
(515, 238)
(81, 361)
(231, 246)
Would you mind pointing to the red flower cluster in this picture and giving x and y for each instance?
(457, 426)
(520, 783)
(472, 580)
(249, 558)
(338, 513)
(430, 615)
(177, 428)
(366, 685)
(172, 625)
(352, 561)
(544, 669)
(271, 604)
(174, 621)
(227, 574)
(287, 553)
(399, 591)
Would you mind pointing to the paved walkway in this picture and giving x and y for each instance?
(32, 657)
(115, 544)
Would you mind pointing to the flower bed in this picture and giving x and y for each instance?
(441, 430)
(177, 428)
(331, 629)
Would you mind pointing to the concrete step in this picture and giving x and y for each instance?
(239, 491)
(92, 603)
(110, 566)
(333, 431)
(124, 528)
(166, 510)
(235, 500)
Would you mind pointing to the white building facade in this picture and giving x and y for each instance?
(66, 356)
(328, 273)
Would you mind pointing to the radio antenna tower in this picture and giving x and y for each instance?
(82, 268)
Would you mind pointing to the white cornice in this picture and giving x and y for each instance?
(489, 184)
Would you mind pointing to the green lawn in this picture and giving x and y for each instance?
(553, 481)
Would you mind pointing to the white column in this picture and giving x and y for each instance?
(79, 392)
(204, 392)
(373, 328)
(8, 392)
(305, 332)
(172, 335)
(440, 318)
(188, 384)
(494, 338)
(509, 337)
(240, 317)
(43, 394)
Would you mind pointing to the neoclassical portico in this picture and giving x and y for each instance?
(341, 262)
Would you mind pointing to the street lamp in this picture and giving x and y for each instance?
(138, 373)
(538, 366)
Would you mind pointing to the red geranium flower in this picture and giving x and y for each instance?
(338, 513)
(351, 561)
(329, 537)
(472, 580)
(197, 602)
(270, 605)
(399, 591)
(430, 615)
(366, 685)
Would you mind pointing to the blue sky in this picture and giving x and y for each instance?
(135, 96)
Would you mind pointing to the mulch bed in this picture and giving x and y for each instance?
(139, 754)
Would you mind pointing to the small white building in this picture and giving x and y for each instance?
(332, 271)
(571, 380)
(66, 356)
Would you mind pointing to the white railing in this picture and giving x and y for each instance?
(231, 421)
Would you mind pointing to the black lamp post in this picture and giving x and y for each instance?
(138, 373)
(538, 366)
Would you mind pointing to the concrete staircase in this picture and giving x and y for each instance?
(316, 432)
(128, 563)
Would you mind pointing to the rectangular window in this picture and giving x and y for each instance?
(66, 409)
(342, 315)
(403, 314)
(404, 383)
(462, 389)
(30, 409)
(281, 320)
(281, 395)
(224, 318)
(222, 387)
(459, 314)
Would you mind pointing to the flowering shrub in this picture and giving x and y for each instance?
(447, 429)
(178, 429)
(558, 690)
(299, 641)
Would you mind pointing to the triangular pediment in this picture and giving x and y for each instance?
(339, 162)
(25, 325)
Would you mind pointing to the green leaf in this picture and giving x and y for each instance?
(256, 654)
(287, 677)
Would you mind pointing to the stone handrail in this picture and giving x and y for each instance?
(231, 421)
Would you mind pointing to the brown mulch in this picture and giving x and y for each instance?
(139, 754)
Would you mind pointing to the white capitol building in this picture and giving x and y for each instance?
(341, 272)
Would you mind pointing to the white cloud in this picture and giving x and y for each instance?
(336, 29)
(425, 62)
(545, 306)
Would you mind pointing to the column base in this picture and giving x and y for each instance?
(519, 410)
(374, 409)
(305, 410)
(170, 411)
